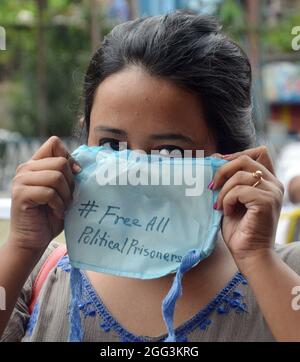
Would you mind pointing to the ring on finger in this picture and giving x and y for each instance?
(258, 175)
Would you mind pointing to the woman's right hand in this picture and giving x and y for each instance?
(41, 192)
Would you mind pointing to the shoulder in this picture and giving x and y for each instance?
(16, 327)
(290, 254)
(50, 249)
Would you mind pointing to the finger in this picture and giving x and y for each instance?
(242, 163)
(33, 196)
(242, 178)
(50, 179)
(60, 164)
(54, 147)
(249, 197)
(76, 168)
(259, 154)
(217, 155)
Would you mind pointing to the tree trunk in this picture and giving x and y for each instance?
(41, 70)
(133, 8)
(95, 24)
(253, 18)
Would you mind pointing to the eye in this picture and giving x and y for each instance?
(171, 151)
(112, 144)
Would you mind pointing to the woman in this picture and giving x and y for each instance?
(165, 83)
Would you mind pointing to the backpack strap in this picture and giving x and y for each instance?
(46, 268)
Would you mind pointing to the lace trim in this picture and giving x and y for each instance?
(226, 300)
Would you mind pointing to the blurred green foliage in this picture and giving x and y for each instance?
(68, 50)
(231, 16)
(67, 54)
(277, 38)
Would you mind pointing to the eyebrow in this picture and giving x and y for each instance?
(157, 137)
(172, 137)
(116, 131)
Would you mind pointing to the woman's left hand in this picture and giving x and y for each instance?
(250, 213)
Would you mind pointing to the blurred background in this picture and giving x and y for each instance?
(45, 47)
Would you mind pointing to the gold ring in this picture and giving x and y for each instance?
(258, 175)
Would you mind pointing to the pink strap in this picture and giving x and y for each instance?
(46, 268)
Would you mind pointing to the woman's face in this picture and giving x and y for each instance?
(148, 113)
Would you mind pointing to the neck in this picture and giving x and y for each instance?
(126, 298)
(204, 273)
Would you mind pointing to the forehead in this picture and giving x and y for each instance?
(133, 94)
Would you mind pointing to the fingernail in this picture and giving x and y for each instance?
(226, 156)
(216, 205)
(76, 168)
(211, 185)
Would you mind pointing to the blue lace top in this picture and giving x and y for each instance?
(233, 315)
(91, 305)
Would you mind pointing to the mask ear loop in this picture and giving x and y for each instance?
(192, 258)
(169, 303)
(76, 332)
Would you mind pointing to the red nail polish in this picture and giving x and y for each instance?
(216, 205)
(211, 185)
(76, 168)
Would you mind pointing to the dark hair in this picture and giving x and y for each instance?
(192, 52)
